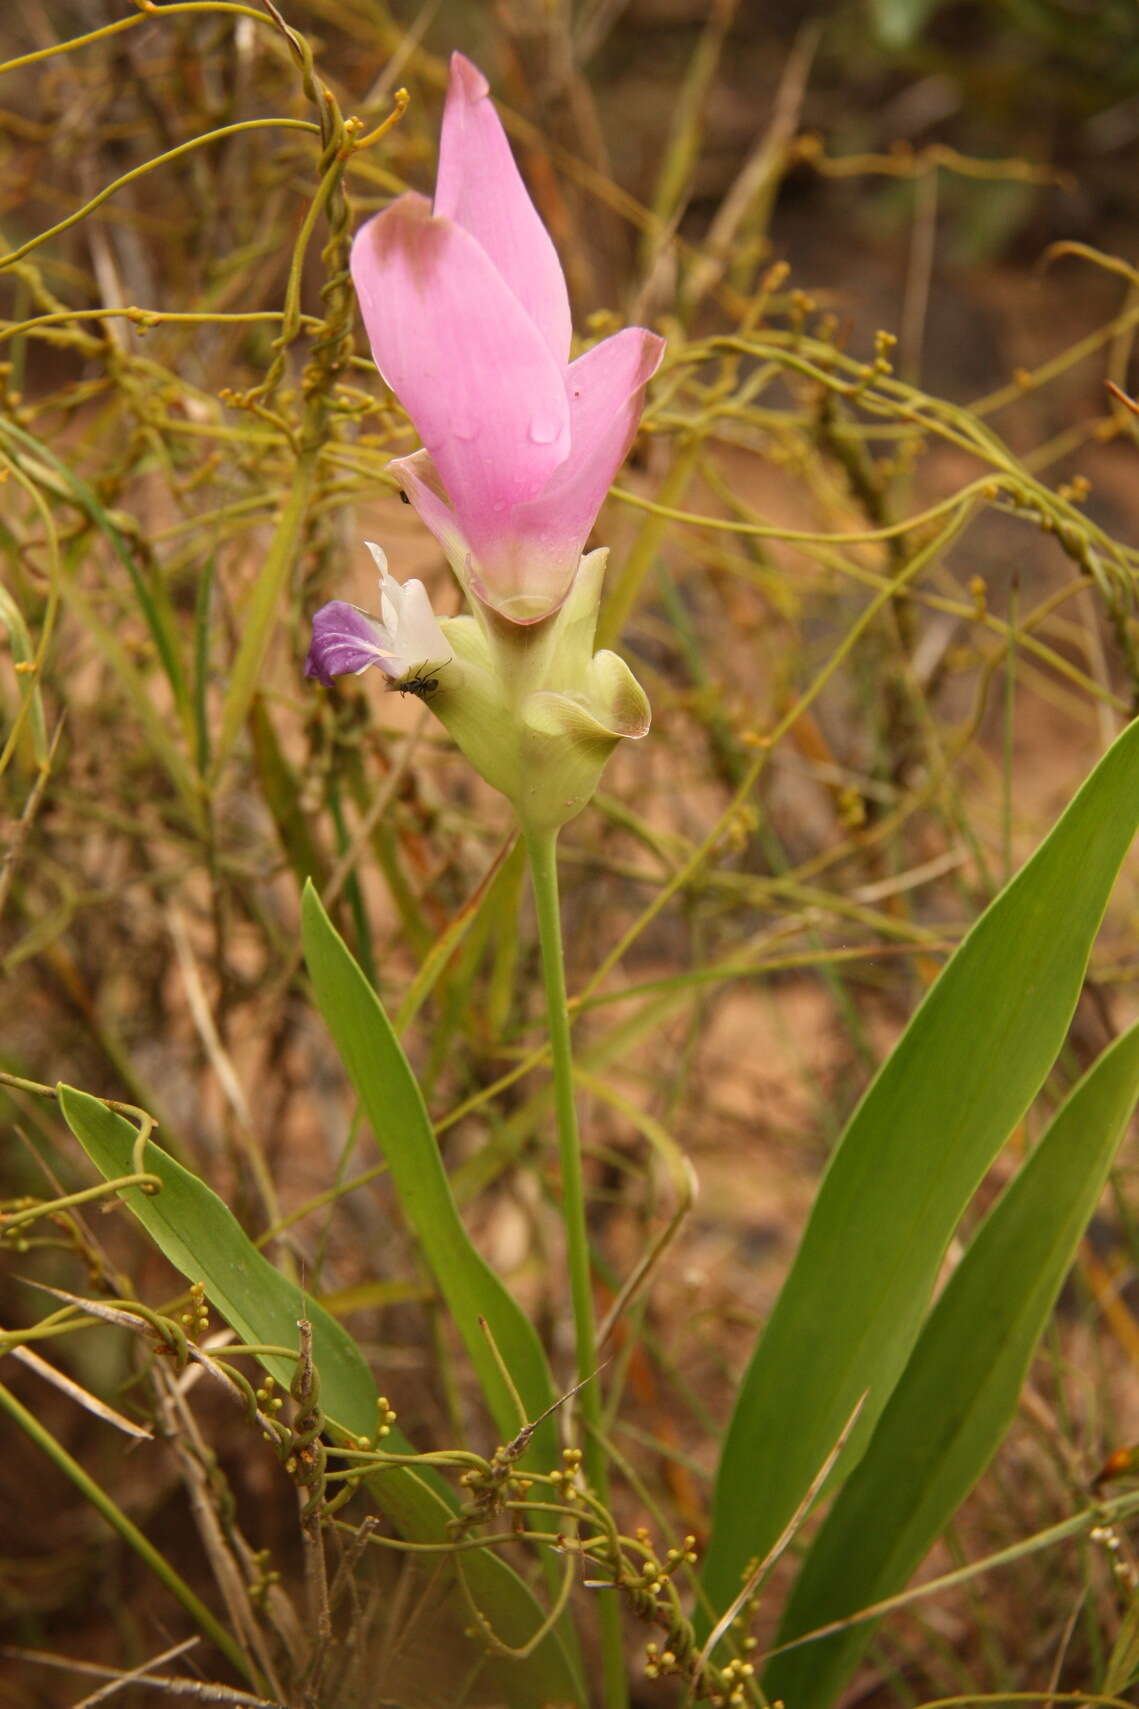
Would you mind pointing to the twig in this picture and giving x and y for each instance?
(204, 1690)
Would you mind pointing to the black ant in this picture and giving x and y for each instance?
(423, 687)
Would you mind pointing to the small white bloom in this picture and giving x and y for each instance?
(405, 610)
(405, 641)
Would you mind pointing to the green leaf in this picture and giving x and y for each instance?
(958, 1394)
(203, 1239)
(391, 1098)
(200, 1236)
(963, 1074)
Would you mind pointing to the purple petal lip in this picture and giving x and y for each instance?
(466, 309)
(345, 641)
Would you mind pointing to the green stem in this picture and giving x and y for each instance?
(541, 848)
(131, 1534)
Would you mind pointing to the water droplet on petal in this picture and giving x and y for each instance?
(544, 429)
(463, 428)
(499, 506)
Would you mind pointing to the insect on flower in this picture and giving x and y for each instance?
(423, 687)
(405, 641)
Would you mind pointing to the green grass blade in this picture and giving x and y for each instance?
(500, 884)
(282, 795)
(203, 606)
(23, 653)
(390, 1094)
(200, 1236)
(103, 1503)
(964, 1072)
(261, 613)
(958, 1393)
(153, 601)
(159, 732)
(1123, 1663)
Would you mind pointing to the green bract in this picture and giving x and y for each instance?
(535, 710)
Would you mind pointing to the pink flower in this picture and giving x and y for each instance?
(466, 309)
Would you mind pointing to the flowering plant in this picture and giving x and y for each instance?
(883, 1378)
(468, 316)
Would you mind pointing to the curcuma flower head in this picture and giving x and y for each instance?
(468, 316)
(467, 312)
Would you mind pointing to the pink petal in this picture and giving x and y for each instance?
(464, 358)
(607, 391)
(419, 479)
(479, 187)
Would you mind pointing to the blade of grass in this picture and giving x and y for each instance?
(280, 790)
(203, 605)
(153, 601)
(686, 133)
(262, 610)
(505, 871)
(23, 656)
(131, 1535)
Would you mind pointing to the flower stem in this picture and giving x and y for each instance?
(541, 848)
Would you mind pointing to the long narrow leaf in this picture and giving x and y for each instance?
(201, 1238)
(390, 1094)
(958, 1394)
(968, 1066)
(204, 1240)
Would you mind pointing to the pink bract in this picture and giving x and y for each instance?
(466, 309)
